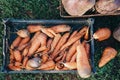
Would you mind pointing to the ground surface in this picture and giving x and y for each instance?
(48, 9)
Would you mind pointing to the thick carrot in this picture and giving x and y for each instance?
(24, 41)
(45, 31)
(72, 51)
(35, 44)
(61, 28)
(108, 54)
(34, 28)
(55, 41)
(35, 36)
(70, 65)
(102, 34)
(72, 35)
(43, 42)
(62, 41)
(83, 65)
(47, 66)
(16, 42)
(75, 38)
(17, 55)
(73, 59)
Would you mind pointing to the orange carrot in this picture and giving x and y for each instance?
(55, 41)
(43, 43)
(58, 58)
(49, 65)
(72, 35)
(83, 65)
(45, 31)
(87, 48)
(61, 28)
(25, 51)
(102, 34)
(34, 28)
(16, 42)
(24, 41)
(75, 38)
(18, 64)
(73, 59)
(70, 65)
(25, 60)
(51, 31)
(72, 51)
(44, 58)
(108, 54)
(17, 55)
(35, 44)
(87, 34)
(62, 41)
(64, 56)
(20, 48)
(35, 36)
(12, 67)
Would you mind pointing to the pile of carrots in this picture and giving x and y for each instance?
(53, 48)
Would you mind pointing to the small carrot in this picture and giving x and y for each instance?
(24, 41)
(62, 41)
(51, 31)
(64, 56)
(61, 28)
(49, 65)
(55, 41)
(34, 28)
(87, 34)
(44, 58)
(45, 31)
(73, 59)
(72, 35)
(18, 64)
(16, 42)
(75, 38)
(23, 33)
(83, 65)
(70, 65)
(17, 55)
(58, 58)
(25, 51)
(25, 60)
(12, 67)
(20, 48)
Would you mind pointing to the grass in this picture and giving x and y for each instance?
(48, 9)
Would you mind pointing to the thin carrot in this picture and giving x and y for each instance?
(20, 48)
(73, 59)
(87, 34)
(45, 31)
(72, 35)
(58, 58)
(25, 51)
(16, 42)
(24, 41)
(17, 55)
(34, 28)
(25, 60)
(35, 36)
(83, 65)
(51, 31)
(75, 38)
(62, 41)
(12, 67)
(55, 41)
(72, 51)
(70, 65)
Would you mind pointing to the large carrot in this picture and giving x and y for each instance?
(17, 55)
(72, 35)
(43, 42)
(35, 44)
(75, 38)
(83, 65)
(16, 42)
(87, 34)
(72, 51)
(55, 41)
(62, 41)
(24, 41)
(61, 28)
(34, 28)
